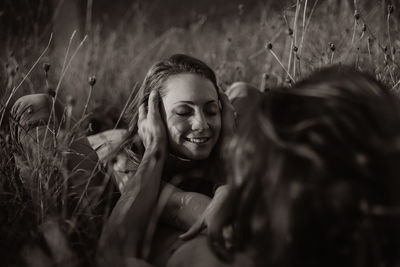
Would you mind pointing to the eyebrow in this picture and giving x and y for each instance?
(192, 103)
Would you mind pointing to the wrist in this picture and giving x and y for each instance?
(159, 151)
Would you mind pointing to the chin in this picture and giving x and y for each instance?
(199, 156)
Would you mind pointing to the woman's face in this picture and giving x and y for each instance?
(192, 115)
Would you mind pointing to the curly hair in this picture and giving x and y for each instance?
(321, 188)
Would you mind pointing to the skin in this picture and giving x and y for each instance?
(202, 120)
(191, 109)
(192, 115)
(126, 227)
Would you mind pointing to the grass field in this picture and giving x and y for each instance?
(257, 44)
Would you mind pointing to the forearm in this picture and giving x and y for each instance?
(183, 209)
(129, 219)
(221, 192)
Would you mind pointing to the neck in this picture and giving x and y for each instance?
(177, 164)
(179, 158)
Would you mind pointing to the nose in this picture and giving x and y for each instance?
(199, 122)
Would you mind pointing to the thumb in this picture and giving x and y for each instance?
(196, 228)
(223, 98)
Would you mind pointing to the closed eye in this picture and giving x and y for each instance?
(183, 111)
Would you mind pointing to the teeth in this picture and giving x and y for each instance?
(198, 140)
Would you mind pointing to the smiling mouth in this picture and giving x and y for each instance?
(198, 140)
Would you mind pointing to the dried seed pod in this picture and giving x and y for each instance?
(332, 47)
(390, 9)
(51, 92)
(364, 27)
(92, 80)
(46, 67)
(356, 15)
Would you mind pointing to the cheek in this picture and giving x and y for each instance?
(177, 127)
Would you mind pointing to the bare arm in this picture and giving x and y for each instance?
(182, 208)
(126, 228)
(127, 224)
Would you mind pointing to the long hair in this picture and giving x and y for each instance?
(314, 174)
(156, 77)
(155, 80)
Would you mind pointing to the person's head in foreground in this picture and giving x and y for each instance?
(315, 175)
(189, 105)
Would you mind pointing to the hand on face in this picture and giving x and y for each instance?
(228, 117)
(151, 128)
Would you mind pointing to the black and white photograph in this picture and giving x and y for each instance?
(200, 133)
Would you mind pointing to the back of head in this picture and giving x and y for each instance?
(315, 174)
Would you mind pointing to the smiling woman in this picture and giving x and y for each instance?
(192, 115)
(189, 111)
(178, 123)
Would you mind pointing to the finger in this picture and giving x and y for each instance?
(235, 114)
(153, 102)
(227, 234)
(226, 104)
(215, 231)
(193, 231)
(142, 113)
(217, 244)
(224, 98)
